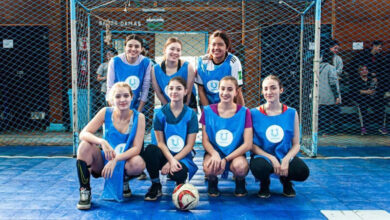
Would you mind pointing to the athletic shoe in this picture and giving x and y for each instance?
(363, 131)
(240, 190)
(126, 189)
(213, 188)
(264, 192)
(288, 189)
(153, 192)
(383, 130)
(142, 176)
(85, 199)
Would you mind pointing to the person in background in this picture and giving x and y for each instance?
(329, 92)
(101, 77)
(364, 86)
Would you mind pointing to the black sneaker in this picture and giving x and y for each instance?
(154, 192)
(126, 189)
(288, 189)
(240, 190)
(264, 192)
(85, 199)
(213, 188)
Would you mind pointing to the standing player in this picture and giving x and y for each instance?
(175, 126)
(276, 141)
(212, 67)
(117, 154)
(226, 137)
(133, 68)
(173, 66)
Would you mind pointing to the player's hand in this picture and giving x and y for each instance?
(108, 169)
(284, 167)
(109, 152)
(215, 163)
(338, 101)
(275, 164)
(174, 166)
(165, 169)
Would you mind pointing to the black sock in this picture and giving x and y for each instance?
(83, 174)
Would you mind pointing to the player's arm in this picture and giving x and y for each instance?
(190, 82)
(157, 88)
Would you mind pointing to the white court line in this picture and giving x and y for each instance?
(356, 214)
(37, 157)
(346, 158)
(306, 158)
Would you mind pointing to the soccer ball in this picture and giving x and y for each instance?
(185, 196)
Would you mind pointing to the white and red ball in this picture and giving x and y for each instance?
(185, 196)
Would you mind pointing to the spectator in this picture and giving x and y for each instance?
(329, 91)
(378, 65)
(364, 95)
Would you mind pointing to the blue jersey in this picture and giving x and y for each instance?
(273, 134)
(133, 75)
(211, 78)
(176, 138)
(163, 79)
(113, 187)
(225, 134)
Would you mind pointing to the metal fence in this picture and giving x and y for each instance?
(45, 90)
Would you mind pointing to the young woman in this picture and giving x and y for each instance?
(173, 66)
(276, 141)
(226, 137)
(175, 127)
(133, 68)
(115, 156)
(212, 67)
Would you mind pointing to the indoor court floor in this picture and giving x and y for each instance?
(344, 183)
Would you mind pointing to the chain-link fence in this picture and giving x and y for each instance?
(268, 36)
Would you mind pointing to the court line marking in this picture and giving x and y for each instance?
(306, 158)
(36, 157)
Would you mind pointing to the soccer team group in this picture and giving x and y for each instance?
(270, 132)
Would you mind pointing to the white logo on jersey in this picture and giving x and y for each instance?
(274, 134)
(212, 85)
(175, 143)
(224, 138)
(133, 81)
(120, 148)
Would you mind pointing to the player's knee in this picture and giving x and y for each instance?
(240, 167)
(83, 150)
(135, 165)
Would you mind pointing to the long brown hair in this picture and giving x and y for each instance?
(170, 41)
(224, 36)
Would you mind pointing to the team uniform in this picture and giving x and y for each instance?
(113, 187)
(209, 74)
(175, 133)
(163, 79)
(136, 75)
(274, 135)
(225, 134)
